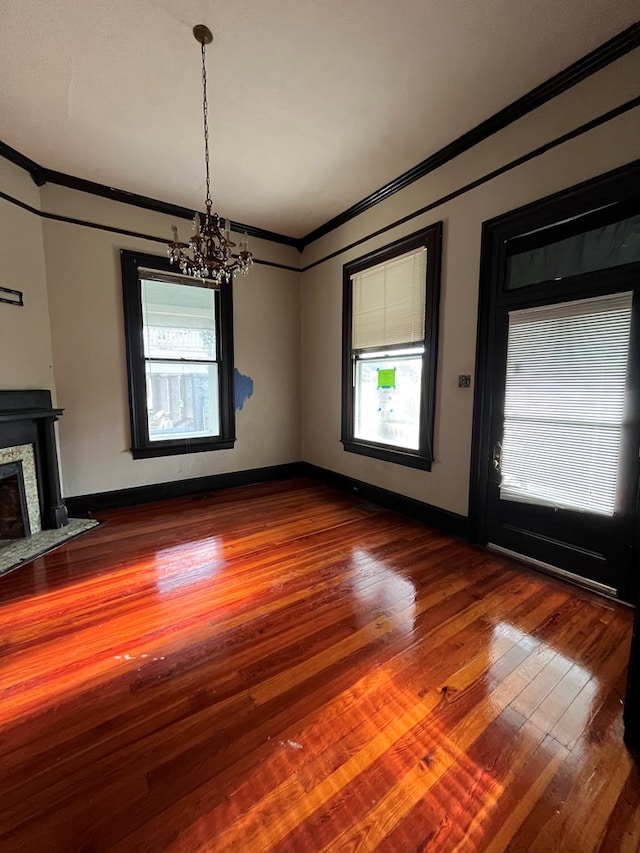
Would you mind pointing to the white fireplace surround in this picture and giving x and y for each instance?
(24, 453)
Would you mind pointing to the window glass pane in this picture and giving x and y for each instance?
(182, 400)
(179, 321)
(598, 249)
(387, 400)
(564, 403)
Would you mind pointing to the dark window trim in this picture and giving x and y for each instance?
(141, 446)
(431, 239)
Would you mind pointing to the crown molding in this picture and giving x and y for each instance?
(621, 109)
(111, 229)
(22, 161)
(82, 185)
(41, 176)
(599, 58)
(613, 49)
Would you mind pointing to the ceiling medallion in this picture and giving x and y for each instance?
(208, 253)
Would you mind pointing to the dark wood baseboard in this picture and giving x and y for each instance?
(442, 519)
(447, 522)
(81, 505)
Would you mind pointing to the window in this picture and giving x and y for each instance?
(179, 359)
(390, 332)
(564, 403)
(601, 239)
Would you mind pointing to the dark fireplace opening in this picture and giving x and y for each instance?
(14, 513)
(28, 418)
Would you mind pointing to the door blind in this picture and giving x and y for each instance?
(389, 302)
(564, 403)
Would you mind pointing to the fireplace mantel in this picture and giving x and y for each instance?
(18, 405)
(29, 414)
(27, 417)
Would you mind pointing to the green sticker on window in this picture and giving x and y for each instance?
(387, 378)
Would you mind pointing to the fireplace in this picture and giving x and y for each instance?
(27, 439)
(14, 513)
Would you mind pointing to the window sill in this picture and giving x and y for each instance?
(175, 448)
(388, 454)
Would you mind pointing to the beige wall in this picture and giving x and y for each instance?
(602, 149)
(287, 338)
(85, 297)
(25, 337)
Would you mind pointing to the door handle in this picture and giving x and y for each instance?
(496, 456)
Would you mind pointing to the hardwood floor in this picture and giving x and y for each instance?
(282, 667)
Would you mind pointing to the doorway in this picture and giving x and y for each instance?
(557, 411)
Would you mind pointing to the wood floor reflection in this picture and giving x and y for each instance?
(284, 668)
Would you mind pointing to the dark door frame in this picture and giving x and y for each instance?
(612, 188)
(632, 703)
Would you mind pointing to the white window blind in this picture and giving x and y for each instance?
(564, 402)
(388, 302)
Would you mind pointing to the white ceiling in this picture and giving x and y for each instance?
(314, 103)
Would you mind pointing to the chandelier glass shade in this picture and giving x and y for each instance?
(209, 252)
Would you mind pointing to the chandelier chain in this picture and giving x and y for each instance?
(205, 115)
(209, 252)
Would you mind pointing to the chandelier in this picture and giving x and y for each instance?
(208, 254)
